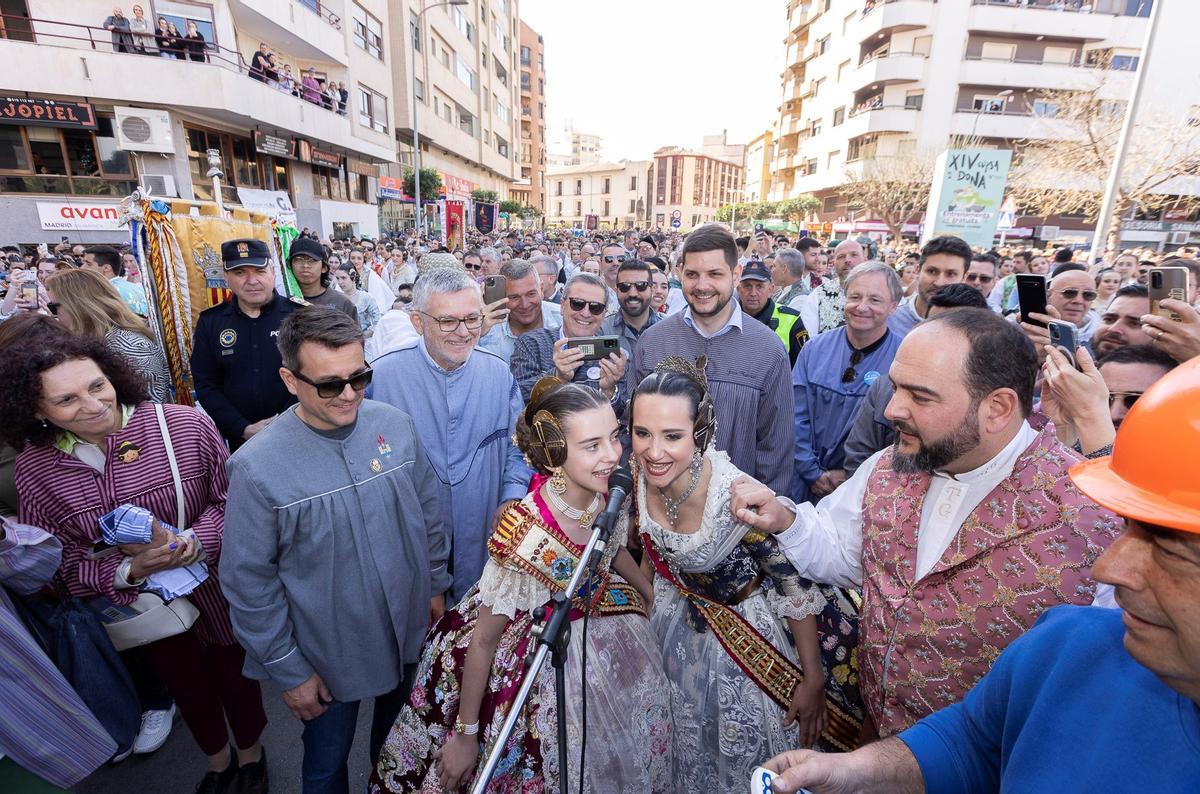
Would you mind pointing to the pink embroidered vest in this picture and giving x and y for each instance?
(1028, 546)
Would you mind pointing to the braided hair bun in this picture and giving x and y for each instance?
(540, 432)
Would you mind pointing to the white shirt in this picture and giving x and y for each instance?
(824, 543)
(393, 332)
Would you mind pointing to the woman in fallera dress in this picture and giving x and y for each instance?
(736, 623)
(472, 665)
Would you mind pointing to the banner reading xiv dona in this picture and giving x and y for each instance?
(968, 189)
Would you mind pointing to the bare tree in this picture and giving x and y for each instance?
(892, 189)
(1064, 169)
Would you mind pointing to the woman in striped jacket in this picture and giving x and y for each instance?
(91, 441)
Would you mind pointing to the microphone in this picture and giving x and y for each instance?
(620, 485)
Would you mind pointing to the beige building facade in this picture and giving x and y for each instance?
(616, 193)
(530, 186)
(689, 186)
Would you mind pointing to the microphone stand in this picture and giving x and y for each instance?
(553, 634)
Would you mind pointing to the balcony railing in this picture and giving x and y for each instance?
(323, 12)
(68, 35)
(872, 5)
(1077, 6)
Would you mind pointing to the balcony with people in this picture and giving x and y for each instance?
(1042, 62)
(893, 16)
(267, 87)
(1086, 20)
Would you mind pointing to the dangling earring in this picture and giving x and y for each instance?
(45, 424)
(558, 481)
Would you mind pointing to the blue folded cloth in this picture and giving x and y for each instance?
(133, 524)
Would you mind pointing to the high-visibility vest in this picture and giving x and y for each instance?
(783, 326)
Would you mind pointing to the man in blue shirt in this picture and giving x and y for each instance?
(833, 373)
(1090, 699)
(465, 402)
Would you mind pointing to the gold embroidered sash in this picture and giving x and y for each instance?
(766, 666)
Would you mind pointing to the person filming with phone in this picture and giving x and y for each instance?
(546, 352)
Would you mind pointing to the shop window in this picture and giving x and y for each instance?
(63, 161)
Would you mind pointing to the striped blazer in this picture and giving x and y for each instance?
(66, 497)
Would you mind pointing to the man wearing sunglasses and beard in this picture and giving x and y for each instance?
(353, 555)
(544, 352)
(634, 286)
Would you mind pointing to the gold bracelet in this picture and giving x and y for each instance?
(461, 727)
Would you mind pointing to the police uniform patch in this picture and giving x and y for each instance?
(227, 338)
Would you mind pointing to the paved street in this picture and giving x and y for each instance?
(178, 765)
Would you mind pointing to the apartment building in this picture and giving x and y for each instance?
(568, 146)
(87, 118)
(760, 155)
(873, 79)
(690, 187)
(456, 73)
(530, 187)
(617, 193)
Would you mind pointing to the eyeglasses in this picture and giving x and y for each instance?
(971, 278)
(472, 266)
(448, 325)
(611, 259)
(595, 307)
(1071, 294)
(1129, 397)
(53, 307)
(625, 286)
(850, 372)
(329, 389)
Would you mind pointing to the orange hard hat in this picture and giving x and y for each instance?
(1153, 475)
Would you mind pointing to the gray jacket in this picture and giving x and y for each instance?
(332, 551)
(871, 431)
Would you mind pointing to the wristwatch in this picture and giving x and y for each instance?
(465, 729)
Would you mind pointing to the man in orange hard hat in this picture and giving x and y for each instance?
(1090, 699)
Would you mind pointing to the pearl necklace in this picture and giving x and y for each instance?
(584, 517)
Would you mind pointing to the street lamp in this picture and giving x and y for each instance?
(416, 132)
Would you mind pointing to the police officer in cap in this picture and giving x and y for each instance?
(310, 265)
(754, 294)
(235, 362)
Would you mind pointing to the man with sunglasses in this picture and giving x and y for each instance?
(333, 578)
(234, 358)
(544, 352)
(981, 274)
(466, 402)
(612, 256)
(833, 374)
(635, 316)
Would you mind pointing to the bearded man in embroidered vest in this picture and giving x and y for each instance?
(962, 533)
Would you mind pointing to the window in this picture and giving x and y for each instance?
(447, 113)
(463, 24)
(501, 109)
(578, 207)
(560, 209)
(995, 51)
(814, 129)
(465, 73)
(502, 146)
(501, 72)
(822, 45)
(1048, 110)
(829, 204)
(445, 58)
(74, 162)
(839, 116)
(921, 45)
(1113, 108)
(914, 99)
(831, 158)
(541, 86)
(816, 87)
(525, 83)
(372, 109)
(633, 182)
(368, 31)
(1124, 63)
(1060, 55)
(415, 34)
(558, 188)
(841, 70)
(525, 56)
(466, 120)
(846, 22)
(810, 167)
(606, 208)
(420, 89)
(328, 183)
(498, 32)
(541, 110)
(988, 104)
(607, 188)
(632, 206)
(578, 187)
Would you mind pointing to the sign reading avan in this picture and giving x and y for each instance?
(78, 216)
(968, 188)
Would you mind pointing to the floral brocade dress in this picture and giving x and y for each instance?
(628, 706)
(726, 722)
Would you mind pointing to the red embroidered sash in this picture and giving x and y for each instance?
(766, 666)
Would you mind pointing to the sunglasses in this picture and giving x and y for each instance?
(625, 286)
(981, 278)
(329, 389)
(611, 259)
(449, 325)
(850, 373)
(1128, 397)
(1071, 294)
(595, 307)
(53, 307)
(470, 266)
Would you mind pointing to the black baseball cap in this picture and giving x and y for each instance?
(246, 252)
(755, 271)
(305, 246)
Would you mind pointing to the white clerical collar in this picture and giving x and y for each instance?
(1006, 458)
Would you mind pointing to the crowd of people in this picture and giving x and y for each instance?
(884, 534)
(136, 35)
(266, 66)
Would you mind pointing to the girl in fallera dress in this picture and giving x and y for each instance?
(735, 621)
(472, 665)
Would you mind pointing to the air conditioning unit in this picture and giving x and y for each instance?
(1178, 238)
(144, 130)
(160, 185)
(1047, 232)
